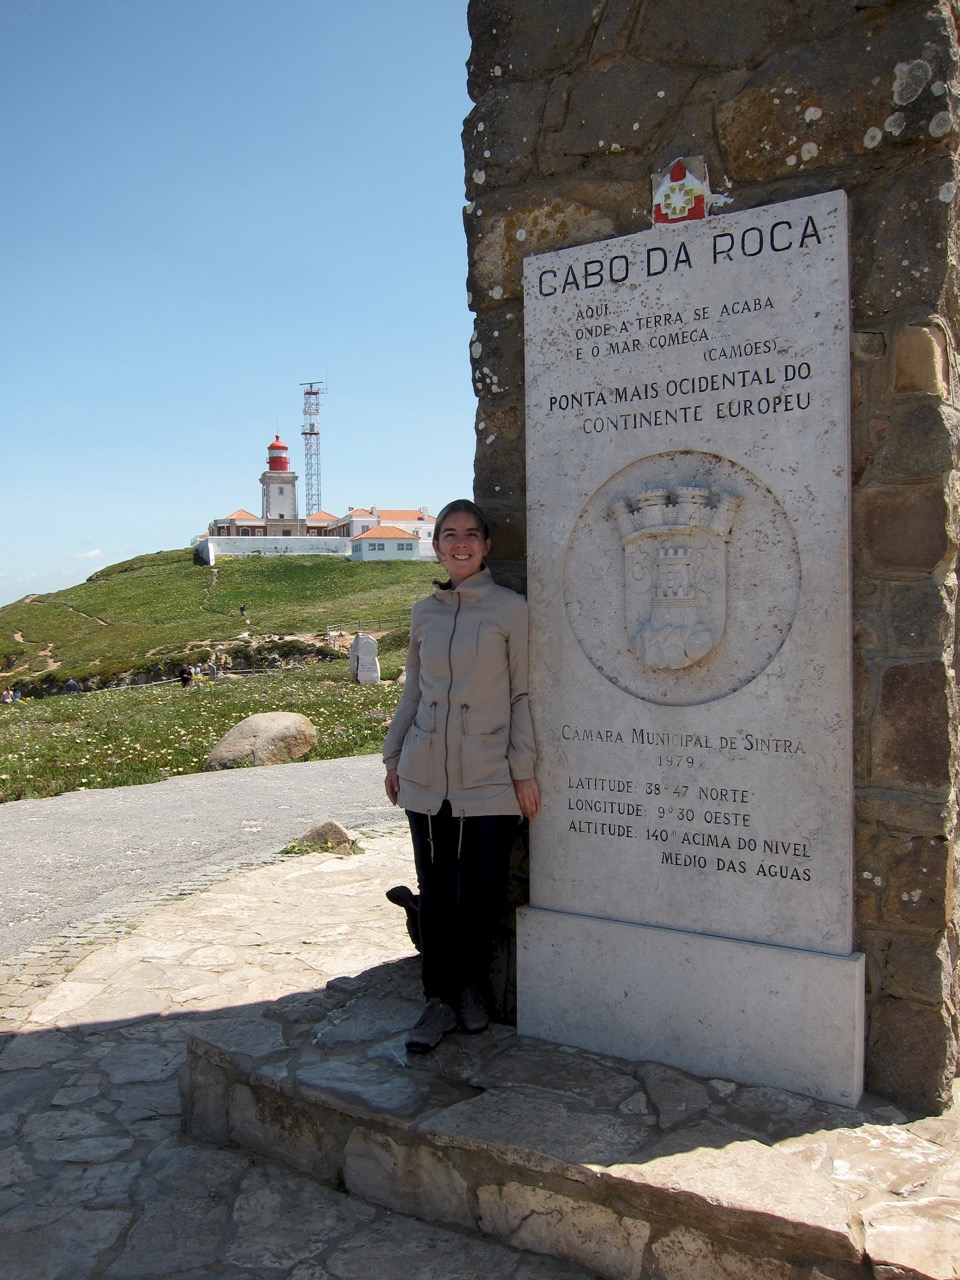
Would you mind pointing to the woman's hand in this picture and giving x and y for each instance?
(392, 786)
(528, 796)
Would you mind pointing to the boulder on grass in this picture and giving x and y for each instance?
(272, 737)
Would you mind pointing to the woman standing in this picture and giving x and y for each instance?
(460, 757)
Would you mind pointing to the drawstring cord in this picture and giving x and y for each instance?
(430, 835)
(459, 847)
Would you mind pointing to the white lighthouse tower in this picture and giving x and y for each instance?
(279, 493)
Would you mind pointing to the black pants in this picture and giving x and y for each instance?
(463, 870)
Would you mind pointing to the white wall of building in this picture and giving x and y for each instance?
(411, 548)
(209, 549)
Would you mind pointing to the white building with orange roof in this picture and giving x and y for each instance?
(387, 542)
(414, 521)
(400, 533)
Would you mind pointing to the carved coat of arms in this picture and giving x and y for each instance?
(675, 553)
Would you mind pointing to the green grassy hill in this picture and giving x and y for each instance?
(155, 610)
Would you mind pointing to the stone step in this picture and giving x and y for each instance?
(629, 1170)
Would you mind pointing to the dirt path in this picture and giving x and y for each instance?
(80, 614)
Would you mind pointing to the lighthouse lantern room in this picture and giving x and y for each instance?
(279, 492)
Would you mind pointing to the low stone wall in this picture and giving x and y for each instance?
(209, 549)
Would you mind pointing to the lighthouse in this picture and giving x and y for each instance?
(279, 492)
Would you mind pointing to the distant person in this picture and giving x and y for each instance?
(16, 695)
(70, 685)
(186, 676)
(243, 612)
(6, 696)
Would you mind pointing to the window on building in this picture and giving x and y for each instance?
(286, 533)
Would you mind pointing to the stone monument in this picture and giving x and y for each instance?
(687, 479)
(576, 107)
(364, 663)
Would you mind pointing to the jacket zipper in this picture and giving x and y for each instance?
(446, 727)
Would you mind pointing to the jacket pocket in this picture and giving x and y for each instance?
(484, 758)
(416, 756)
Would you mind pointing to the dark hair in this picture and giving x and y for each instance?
(468, 508)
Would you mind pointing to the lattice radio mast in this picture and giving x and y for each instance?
(311, 443)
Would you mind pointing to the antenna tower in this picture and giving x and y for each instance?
(311, 443)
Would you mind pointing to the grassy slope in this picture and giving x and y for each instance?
(160, 605)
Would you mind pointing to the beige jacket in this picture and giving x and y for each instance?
(462, 730)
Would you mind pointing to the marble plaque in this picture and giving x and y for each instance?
(687, 402)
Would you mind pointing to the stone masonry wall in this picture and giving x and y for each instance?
(577, 102)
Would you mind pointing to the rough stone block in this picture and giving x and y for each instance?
(496, 355)
(280, 1129)
(523, 42)
(917, 616)
(916, 442)
(415, 1180)
(914, 892)
(912, 1054)
(545, 1124)
(798, 1215)
(901, 230)
(867, 344)
(500, 241)
(920, 1237)
(204, 1092)
(500, 135)
(813, 104)
(711, 40)
(531, 1062)
(507, 528)
(618, 107)
(902, 528)
(911, 738)
(364, 1088)
(502, 421)
(555, 107)
(900, 811)
(920, 360)
(914, 970)
(587, 1235)
(683, 1254)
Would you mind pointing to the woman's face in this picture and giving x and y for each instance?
(461, 546)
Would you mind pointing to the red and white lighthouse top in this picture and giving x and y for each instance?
(277, 456)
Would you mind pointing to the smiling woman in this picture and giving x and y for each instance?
(460, 757)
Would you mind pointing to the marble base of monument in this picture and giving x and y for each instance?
(750, 1012)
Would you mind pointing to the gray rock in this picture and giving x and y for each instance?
(330, 833)
(271, 737)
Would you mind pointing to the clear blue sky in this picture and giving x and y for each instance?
(206, 203)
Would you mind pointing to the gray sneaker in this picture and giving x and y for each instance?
(433, 1024)
(472, 1012)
